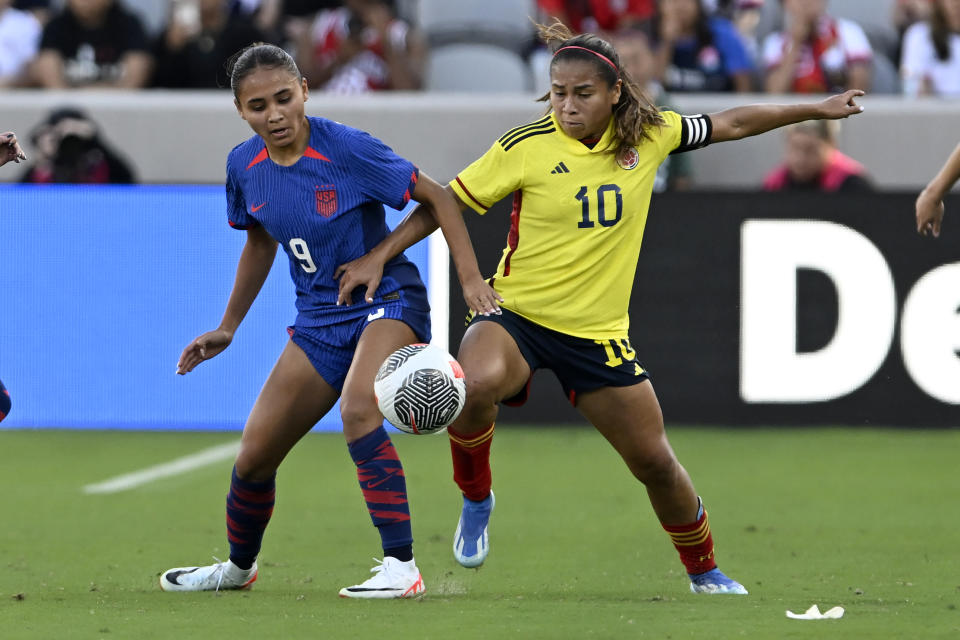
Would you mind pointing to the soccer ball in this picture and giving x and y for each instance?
(420, 388)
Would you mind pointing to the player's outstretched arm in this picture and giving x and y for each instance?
(10, 148)
(753, 119)
(447, 210)
(438, 208)
(252, 270)
(930, 201)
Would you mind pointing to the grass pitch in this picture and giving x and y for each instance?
(861, 518)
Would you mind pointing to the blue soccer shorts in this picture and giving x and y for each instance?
(580, 364)
(330, 347)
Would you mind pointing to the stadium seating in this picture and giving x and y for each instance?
(476, 67)
(502, 22)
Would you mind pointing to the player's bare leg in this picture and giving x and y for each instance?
(494, 370)
(631, 420)
(292, 400)
(378, 467)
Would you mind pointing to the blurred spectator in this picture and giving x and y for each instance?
(93, 43)
(907, 12)
(931, 53)
(201, 36)
(19, 41)
(638, 60)
(69, 150)
(700, 52)
(362, 47)
(39, 8)
(593, 16)
(816, 53)
(746, 15)
(812, 162)
(265, 14)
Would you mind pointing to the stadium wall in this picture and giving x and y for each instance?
(105, 286)
(760, 309)
(183, 137)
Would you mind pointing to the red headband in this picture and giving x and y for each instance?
(599, 55)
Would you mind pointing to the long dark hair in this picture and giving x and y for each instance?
(252, 57)
(634, 112)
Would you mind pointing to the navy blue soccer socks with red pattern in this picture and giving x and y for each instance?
(385, 490)
(4, 401)
(249, 507)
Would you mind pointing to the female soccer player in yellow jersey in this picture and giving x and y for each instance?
(581, 177)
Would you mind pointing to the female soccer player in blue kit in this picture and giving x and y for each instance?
(582, 177)
(10, 151)
(318, 188)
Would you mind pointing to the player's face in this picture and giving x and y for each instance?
(581, 98)
(271, 101)
(806, 155)
(86, 10)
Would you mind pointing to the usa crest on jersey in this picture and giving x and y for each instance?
(326, 200)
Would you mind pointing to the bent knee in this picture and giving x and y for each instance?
(256, 465)
(359, 413)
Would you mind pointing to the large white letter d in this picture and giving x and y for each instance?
(771, 370)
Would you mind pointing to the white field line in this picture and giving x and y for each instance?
(165, 470)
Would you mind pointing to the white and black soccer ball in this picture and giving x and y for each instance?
(420, 388)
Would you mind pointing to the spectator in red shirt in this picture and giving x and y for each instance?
(812, 162)
(816, 53)
(598, 15)
(363, 46)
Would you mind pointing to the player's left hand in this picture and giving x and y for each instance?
(364, 271)
(841, 105)
(10, 148)
(481, 297)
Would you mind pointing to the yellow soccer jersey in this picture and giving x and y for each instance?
(577, 220)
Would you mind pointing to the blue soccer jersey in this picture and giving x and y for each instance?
(325, 210)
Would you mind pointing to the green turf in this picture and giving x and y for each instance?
(862, 518)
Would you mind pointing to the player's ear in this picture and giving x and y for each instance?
(617, 89)
(236, 103)
(306, 89)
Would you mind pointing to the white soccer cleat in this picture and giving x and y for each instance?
(214, 577)
(393, 579)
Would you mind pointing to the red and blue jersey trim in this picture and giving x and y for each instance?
(414, 178)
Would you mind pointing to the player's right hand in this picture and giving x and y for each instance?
(365, 271)
(203, 348)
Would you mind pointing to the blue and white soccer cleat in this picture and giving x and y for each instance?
(714, 581)
(470, 542)
(214, 577)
